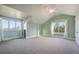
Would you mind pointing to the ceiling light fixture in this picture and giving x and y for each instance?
(51, 10)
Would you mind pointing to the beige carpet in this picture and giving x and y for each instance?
(39, 45)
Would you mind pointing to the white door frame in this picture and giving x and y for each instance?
(77, 29)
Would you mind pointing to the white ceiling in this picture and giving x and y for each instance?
(39, 12)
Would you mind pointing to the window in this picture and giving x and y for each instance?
(59, 27)
(5, 24)
(18, 25)
(12, 24)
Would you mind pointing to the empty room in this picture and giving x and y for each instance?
(39, 29)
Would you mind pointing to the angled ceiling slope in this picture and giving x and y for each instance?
(39, 13)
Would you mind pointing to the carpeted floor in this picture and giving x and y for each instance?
(39, 45)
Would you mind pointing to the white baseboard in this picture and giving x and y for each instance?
(70, 38)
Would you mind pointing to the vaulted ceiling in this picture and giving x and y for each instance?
(39, 13)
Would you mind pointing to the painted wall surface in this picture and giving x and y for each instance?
(0, 30)
(46, 27)
(32, 29)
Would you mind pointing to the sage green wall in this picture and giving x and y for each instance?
(46, 27)
(32, 29)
